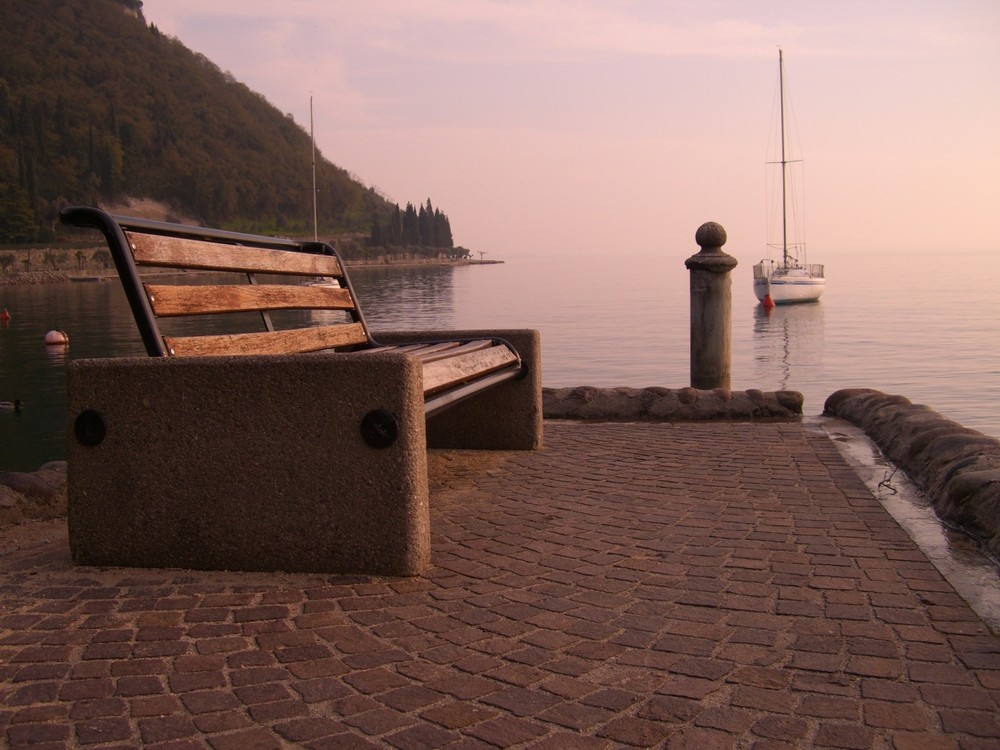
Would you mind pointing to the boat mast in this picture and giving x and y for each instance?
(784, 162)
(312, 139)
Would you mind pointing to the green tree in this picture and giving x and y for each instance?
(394, 230)
(442, 231)
(110, 162)
(411, 226)
(426, 223)
(17, 221)
(376, 237)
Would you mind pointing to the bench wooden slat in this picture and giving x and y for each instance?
(429, 352)
(456, 348)
(169, 300)
(175, 252)
(425, 350)
(294, 341)
(451, 371)
(416, 348)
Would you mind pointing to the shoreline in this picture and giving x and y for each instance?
(59, 276)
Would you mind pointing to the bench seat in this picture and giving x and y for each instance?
(269, 429)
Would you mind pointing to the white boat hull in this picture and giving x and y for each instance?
(788, 285)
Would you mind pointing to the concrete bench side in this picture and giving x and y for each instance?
(505, 417)
(248, 463)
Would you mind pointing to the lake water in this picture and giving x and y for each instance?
(922, 326)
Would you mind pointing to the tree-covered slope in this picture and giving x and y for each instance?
(96, 105)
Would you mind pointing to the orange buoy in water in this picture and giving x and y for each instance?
(767, 302)
(56, 338)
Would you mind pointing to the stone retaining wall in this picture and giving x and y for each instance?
(18, 278)
(668, 404)
(33, 496)
(957, 467)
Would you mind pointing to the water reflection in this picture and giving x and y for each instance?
(417, 299)
(787, 341)
(95, 316)
(99, 323)
(58, 353)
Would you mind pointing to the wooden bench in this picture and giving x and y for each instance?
(269, 428)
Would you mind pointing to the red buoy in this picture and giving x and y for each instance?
(767, 302)
(5, 316)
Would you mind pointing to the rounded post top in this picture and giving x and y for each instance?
(711, 236)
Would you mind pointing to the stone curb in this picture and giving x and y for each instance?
(957, 467)
(35, 496)
(668, 404)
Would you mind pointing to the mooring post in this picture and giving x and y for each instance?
(711, 309)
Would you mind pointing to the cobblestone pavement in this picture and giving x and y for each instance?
(647, 585)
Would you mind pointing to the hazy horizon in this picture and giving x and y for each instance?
(586, 127)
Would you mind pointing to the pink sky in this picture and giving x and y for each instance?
(587, 126)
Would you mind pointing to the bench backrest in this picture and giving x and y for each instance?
(261, 275)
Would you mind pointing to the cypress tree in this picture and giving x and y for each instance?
(411, 226)
(16, 217)
(442, 230)
(395, 234)
(427, 225)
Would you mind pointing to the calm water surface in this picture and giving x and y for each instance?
(911, 325)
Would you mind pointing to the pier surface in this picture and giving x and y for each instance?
(710, 585)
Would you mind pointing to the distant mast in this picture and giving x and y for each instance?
(784, 161)
(312, 139)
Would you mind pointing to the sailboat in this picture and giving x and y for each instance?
(790, 279)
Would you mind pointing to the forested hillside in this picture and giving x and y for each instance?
(97, 106)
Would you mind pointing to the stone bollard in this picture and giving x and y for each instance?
(711, 309)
